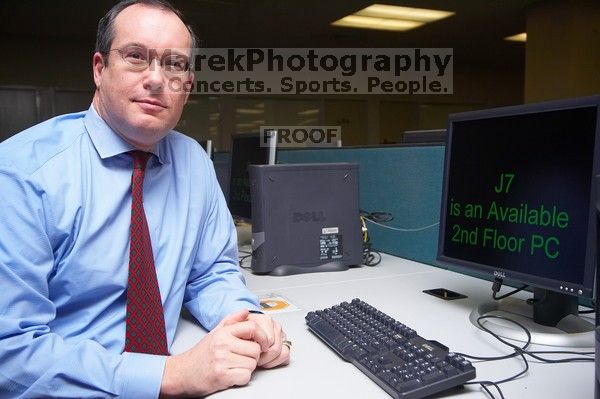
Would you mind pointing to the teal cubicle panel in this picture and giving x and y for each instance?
(405, 181)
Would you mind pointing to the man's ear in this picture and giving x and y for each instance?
(98, 67)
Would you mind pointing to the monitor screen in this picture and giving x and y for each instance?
(518, 200)
(246, 149)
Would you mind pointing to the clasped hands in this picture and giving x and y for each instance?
(226, 356)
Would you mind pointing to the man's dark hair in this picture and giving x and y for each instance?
(106, 25)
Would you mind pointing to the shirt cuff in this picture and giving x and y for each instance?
(142, 375)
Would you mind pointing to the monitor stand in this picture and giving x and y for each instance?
(570, 330)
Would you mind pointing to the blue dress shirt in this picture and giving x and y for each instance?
(65, 206)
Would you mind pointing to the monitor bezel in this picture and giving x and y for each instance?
(586, 289)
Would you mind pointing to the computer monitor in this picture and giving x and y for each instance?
(246, 149)
(518, 204)
(221, 165)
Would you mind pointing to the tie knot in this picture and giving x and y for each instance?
(140, 159)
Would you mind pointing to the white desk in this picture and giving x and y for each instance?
(395, 287)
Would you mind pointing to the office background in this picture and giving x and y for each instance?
(46, 71)
(48, 48)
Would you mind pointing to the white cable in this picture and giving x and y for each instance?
(405, 230)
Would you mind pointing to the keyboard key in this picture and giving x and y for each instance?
(465, 365)
(408, 385)
(433, 376)
(450, 371)
(358, 353)
(385, 359)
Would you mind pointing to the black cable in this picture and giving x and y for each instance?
(488, 391)
(488, 358)
(483, 385)
(523, 350)
(370, 257)
(495, 288)
(564, 352)
(498, 284)
(533, 354)
(531, 301)
(379, 217)
(567, 360)
(516, 348)
(241, 262)
(518, 351)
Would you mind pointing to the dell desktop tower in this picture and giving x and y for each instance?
(305, 218)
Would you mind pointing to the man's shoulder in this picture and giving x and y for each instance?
(31, 148)
(179, 143)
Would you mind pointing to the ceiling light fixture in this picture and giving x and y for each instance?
(387, 17)
(520, 37)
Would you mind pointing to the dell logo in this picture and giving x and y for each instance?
(499, 274)
(314, 216)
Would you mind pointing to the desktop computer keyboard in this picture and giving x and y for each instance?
(393, 355)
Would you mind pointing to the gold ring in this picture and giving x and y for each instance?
(287, 343)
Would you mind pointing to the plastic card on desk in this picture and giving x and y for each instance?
(274, 303)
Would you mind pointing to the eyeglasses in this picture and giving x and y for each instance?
(139, 58)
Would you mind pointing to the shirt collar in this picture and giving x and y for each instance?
(107, 142)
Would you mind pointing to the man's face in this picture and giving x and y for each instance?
(142, 105)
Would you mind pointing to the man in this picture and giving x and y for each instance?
(65, 251)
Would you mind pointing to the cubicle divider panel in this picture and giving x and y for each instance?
(405, 181)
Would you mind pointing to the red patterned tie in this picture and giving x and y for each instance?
(145, 331)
